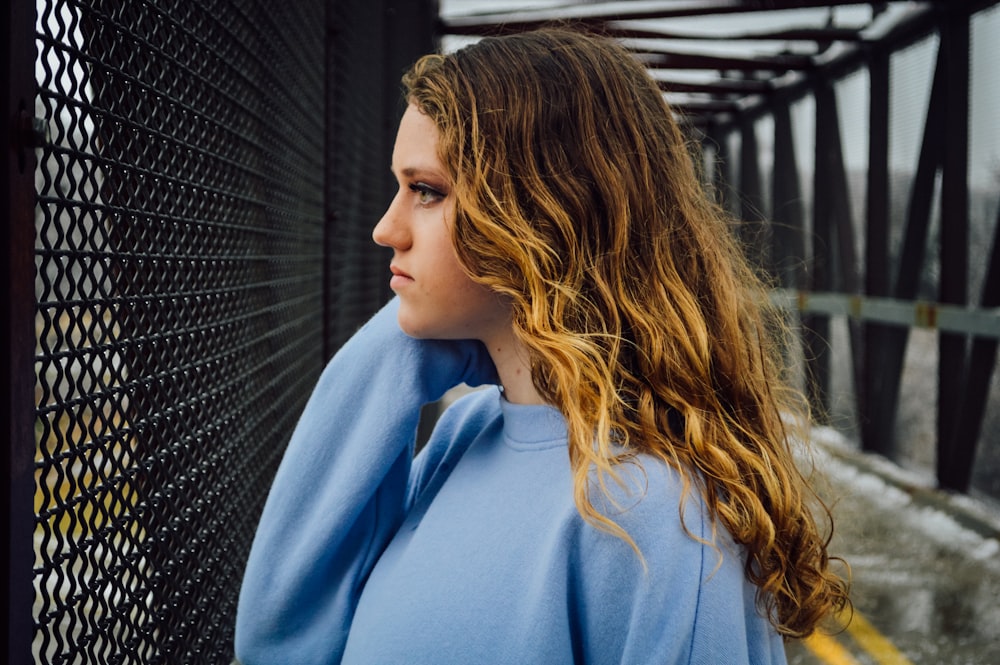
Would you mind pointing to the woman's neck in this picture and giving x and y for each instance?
(514, 368)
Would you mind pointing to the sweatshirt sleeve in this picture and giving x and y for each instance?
(339, 492)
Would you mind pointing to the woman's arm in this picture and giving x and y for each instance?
(339, 493)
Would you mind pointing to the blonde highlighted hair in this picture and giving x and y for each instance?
(577, 199)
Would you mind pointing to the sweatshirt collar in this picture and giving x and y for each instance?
(532, 426)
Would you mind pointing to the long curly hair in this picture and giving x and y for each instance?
(578, 200)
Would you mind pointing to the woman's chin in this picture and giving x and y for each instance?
(412, 326)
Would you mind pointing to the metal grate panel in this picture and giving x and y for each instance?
(179, 310)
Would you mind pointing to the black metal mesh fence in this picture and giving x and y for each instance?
(203, 213)
(180, 273)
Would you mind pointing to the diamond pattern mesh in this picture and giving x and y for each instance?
(179, 260)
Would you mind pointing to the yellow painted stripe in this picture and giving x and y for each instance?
(875, 643)
(829, 650)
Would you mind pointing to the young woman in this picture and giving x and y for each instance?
(627, 492)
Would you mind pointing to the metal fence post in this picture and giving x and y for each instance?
(20, 133)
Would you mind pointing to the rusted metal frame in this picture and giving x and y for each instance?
(954, 456)
(876, 416)
(17, 203)
(912, 256)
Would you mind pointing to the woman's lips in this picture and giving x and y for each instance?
(399, 278)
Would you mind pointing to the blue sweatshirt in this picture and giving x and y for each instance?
(475, 551)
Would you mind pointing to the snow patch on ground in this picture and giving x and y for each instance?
(934, 523)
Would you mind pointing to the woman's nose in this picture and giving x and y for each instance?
(391, 230)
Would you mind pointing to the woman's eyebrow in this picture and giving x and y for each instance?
(413, 171)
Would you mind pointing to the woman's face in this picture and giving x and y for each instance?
(438, 300)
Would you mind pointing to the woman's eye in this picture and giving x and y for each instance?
(425, 193)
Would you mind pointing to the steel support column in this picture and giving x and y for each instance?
(833, 223)
(982, 361)
(954, 456)
(17, 203)
(822, 268)
(753, 231)
(876, 412)
(912, 257)
(787, 214)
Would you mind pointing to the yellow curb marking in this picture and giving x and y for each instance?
(829, 650)
(874, 642)
(876, 645)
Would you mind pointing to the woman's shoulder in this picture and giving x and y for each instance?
(666, 536)
(681, 590)
(644, 490)
(467, 415)
(670, 535)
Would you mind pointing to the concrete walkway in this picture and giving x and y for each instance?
(925, 567)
